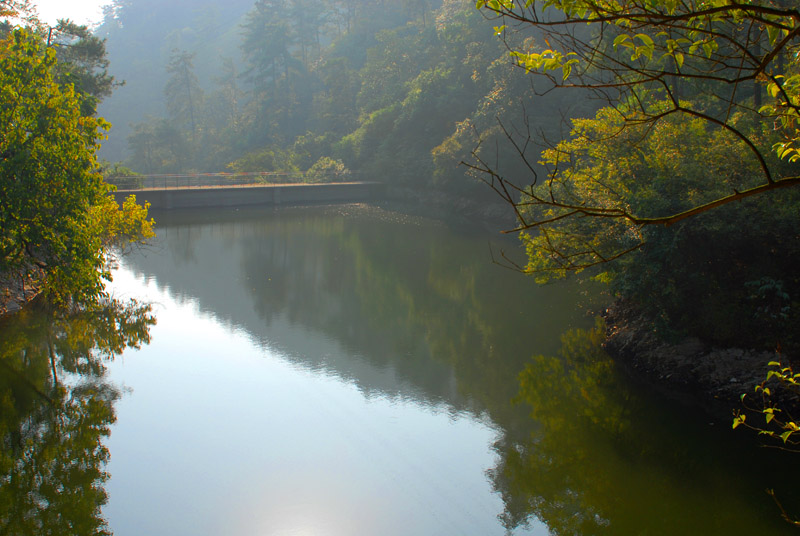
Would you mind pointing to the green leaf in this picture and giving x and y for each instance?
(773, 33)
(622, 39)
(773, 89)
(646, 39)
(772, 373)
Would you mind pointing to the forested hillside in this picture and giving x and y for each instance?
(403, 90)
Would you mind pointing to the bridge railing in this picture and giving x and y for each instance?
(204, 180)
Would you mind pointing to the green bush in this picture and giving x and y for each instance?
(327, 169)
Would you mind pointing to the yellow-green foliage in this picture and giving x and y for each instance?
(56, 217)
(779, 423)
(609, 168)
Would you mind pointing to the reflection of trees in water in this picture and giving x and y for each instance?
(596, 458)
(414, 299)
(55, 409)
(569, 397)
(600, 458)
(341, 277)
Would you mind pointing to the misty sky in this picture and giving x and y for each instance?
(80, 11)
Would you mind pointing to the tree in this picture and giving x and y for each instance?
(308, 18)
(227, 99)
(650, 62)
(266, 39)
(57, 221)
(183, 90)
(21, 10)
(158, 147)
(82, 62)
(327, 169)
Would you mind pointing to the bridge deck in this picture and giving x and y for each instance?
(234, 195)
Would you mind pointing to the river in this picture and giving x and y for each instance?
(352, 371)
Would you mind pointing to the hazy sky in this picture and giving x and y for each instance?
(80, 11)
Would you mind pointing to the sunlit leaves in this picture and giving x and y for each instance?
(607, 176)
(49, 177)
(778, 422)
(495, 5)
(652, 40)
(738, 420)
(784, 89)
(548, 60)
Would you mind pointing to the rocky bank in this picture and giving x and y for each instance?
(689, 371)
(15, 292)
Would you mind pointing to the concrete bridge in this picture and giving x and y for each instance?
(241, 195)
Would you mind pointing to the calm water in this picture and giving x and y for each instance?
(350, 371)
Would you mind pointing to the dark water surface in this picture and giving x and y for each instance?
(351, 371)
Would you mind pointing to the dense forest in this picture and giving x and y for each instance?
(397, 90)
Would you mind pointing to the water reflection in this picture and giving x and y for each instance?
(414, 309)
(55, 411)
(604, 459)
(330, 336)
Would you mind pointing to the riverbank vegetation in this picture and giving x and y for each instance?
(688, 173)
(59, 229)
(58, 223)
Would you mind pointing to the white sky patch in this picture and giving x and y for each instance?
(80, 11)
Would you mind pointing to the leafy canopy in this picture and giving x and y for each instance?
(731, 66)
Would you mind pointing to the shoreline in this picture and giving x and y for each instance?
(16, 293)
(690, 372)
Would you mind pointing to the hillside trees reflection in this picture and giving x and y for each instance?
(422, 304)
(56, 408)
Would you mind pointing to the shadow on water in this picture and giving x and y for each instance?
(607, 458)
(56, 408)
